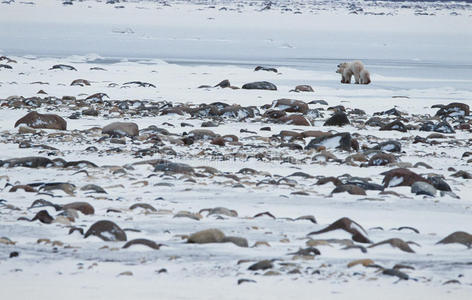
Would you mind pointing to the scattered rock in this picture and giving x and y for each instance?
(260, 85)
(45, 121)
(337, 119)
(423, 188)
(303, 88)
(459, 237)
(144, 242)
(395, 125)
(260, 68)
(339, 140)
(107, 231)
(395, 243)
(290, 105)
(261, 265)
(358, 233)
(382, 159)
(119, 129)
(400, 177)
(351, 189)
(207, 236)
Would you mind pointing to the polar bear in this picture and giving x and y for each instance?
(347, 69)
(365, 77)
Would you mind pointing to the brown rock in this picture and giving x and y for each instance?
(290, 105)
(107, 231)
(358, 233)
(350, 188)
(401, 177)
(47, 121)
(83, 207)
(395, 125)
(274, 114)
(121, 129)
(459, 237)
(144, 242)
(314, 133)
(382, 159)
(303, 88)
(297, 120)
(80, 82)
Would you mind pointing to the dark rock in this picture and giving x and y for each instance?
(375, 122)
(209, 124)
(107, 231)
(223, 84)
(454, 109)
(349, 188)
(63, 67)
(337, 119)
(139, 84)
(43, 216)
(321, 102)
(29, 162)
(395, 125)
(260, 85)
(355, 229)
(390, 112)
(365, 185)
(443, 127)
(340, 140)
(393, 272)
(274, 114)
(462, 174)
(83, 207)
(439, 183)
(238, 112)
(261, 265)
(260, 68)
(390, 146)
(145, 242)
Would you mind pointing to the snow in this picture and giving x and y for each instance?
(185, 45)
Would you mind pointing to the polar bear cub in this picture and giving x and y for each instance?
(356, 68)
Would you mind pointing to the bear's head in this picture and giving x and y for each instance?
(341, 67)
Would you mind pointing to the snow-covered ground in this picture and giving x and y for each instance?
(416, 61)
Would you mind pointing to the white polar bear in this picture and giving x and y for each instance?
(365, 77)
(347, 69)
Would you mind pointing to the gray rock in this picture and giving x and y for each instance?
(260, 85)
(261, 265)
(238, 241)
(121, 129)
(423, 188)
(212, 235)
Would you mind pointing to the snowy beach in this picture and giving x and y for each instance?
(389, 160)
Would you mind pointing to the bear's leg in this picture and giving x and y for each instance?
(357, 77)
(347, 76)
